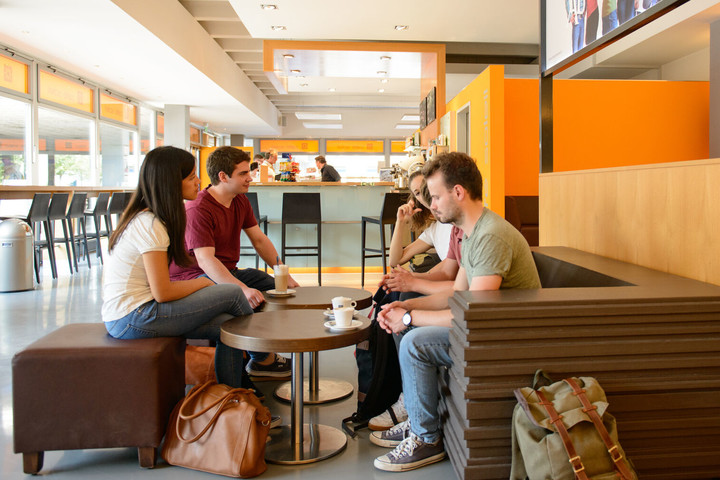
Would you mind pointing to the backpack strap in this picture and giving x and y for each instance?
(556, 420)
(591, 411)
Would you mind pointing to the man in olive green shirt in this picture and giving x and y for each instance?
(495, 256)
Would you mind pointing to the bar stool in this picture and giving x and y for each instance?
(116, 206)
(297, 209)
(97, 213)
(388, 214)
(57, 212)
(77, 212)
(261, 220)
(37, 218)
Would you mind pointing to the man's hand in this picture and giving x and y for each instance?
(399, 280)
(390, 317)
(254, 297)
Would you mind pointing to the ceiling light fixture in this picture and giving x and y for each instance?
(288, 56)
(317, 116)
(303, 84)
(268, 6)
(382, 72)
(278, 27)
(295, 71)
(381, 90)
(400, 126)
(330, 126)
(385, 57)
(384, 80)
(401, 28)
(410, 118)
(331, 89)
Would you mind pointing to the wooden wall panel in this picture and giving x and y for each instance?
(661, 216)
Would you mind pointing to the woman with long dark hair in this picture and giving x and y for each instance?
(139, 299)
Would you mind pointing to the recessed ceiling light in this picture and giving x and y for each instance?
(279, 72)
(382, 72)
(331, 89)
(401, 126)
(303, 84)
(381, 90)
(278, 27)
(331, 126)
(384, 80)
(410, 118)
(385, 57)
(268, 6)
(288, 56)
(318, 116)
(295, 71)
(400, 28)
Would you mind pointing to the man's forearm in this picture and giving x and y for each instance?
(267, 251)
(217, 272)
(437, 301)
(431, 287)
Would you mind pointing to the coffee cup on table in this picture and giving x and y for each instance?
(281, 278)
(343, 302)
(344, 316)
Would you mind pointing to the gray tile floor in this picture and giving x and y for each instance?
(27, 316)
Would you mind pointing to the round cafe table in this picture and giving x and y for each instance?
(317, 390)
(273, 331)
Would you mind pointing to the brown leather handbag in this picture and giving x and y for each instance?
(218, 429)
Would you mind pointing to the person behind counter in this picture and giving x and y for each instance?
(270, 162)
(328, 172)
(255, 170)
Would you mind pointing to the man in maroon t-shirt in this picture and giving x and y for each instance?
(212, 236)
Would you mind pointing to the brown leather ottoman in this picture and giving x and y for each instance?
(79, 388)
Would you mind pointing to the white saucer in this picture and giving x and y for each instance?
(331, 315)
(331, 325)
(286, 293)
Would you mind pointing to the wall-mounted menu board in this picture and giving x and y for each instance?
(430, 106)
(423, 113)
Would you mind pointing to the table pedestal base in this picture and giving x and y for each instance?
(329, 389)
(319, 442)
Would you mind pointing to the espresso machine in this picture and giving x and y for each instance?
(401, 171)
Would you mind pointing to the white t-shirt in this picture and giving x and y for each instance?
(125, 282)
(438, 235)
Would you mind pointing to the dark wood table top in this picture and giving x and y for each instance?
(289, 331)
(318, 298)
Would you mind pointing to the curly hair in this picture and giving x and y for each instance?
(457, 169)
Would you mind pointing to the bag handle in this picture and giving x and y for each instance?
(220, 403)
(591, 411)
(541, 379)
(556, 420)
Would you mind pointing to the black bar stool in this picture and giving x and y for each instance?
(302, 208)
(57, 213)
(388, 214)
(37, 218)
(98, 212)
(261, 220)
(76, 212)
(116, 206)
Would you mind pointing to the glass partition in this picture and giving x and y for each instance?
(14, 140)
(64, 148)
(118, 162)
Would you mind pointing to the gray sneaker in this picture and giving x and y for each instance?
(412, 453)
(280, 367)
(392, 437)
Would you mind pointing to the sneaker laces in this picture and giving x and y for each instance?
(406, 447)
(280, 360)
(402, 427)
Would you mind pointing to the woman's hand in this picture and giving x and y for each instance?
(405, 212)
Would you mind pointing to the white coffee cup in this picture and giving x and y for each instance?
(343, 302)
(281, 277)
(344, 316)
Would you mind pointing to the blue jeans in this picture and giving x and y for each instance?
(610, 22)
(254, 278)
(578, 34)
(199, 315)
(422, 351)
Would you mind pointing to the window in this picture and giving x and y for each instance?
(356, 166)
(147, 127)
(64, 148)
(119, 165)
(14, 141)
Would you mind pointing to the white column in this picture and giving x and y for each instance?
(177, 126)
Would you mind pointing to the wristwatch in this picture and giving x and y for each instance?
(407, 319)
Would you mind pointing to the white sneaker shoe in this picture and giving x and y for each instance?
(390, 417)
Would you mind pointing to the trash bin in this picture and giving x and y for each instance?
(16, 256)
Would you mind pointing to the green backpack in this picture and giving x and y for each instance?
(564, 432)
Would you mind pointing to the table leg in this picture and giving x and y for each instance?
(300, 442)
(317, 390)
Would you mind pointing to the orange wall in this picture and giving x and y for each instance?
(204, 154)
(608, 123)
(522, 136)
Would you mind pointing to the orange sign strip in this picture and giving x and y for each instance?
(160, 120)
(355, 146)
(65, 92)
(397, 146)
(12, 144)
(72, 145)
(14, 75)
(290, 146)
(114, 109)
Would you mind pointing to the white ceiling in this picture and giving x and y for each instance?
(207, 54)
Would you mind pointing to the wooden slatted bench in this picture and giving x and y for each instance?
(652, 339)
